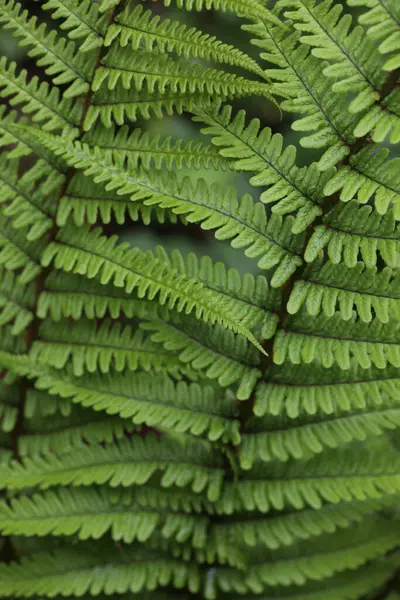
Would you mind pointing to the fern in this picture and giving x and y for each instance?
(172, 426)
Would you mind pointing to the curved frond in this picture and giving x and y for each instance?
(59, 58)
(125, 463)
(60, 573)
(81, 19)
(214, 207)
(37, 98)
(213, 351)
(130, 515)
(290, 189)
(138, 28)
(87, 252)
(155, 402)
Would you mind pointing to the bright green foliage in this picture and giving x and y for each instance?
(171, 428)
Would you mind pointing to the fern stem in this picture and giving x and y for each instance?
(246, 408)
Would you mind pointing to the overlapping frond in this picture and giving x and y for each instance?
(155, 402)
(290, 189)
(87, 252)
(19, 254)
(354, 64)
(59, 57)
(250, 296)
(91, 347)
(124, 463)
(213, 351)
(81, 20)
(347, 550)
(63, 432)
(298, 78)
(162, 72)
(335, 476)
(310, 390)
(335, 341)
(143, 31)
(16, 302)
(249, 9)
(382, 21)
(284, 529)
(214, 207)
(130, 515)
(369, 176)
(348, 586)
(69, 295)
(284, 438)
(169, 426)
(37, 98)
(133, 569)
(8, 407)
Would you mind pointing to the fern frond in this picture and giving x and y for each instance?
(357, 66)
(86, 202)
(344, 586)
(283, 438)
(155, 402)
(17, 134)
(351, 231)
(137, 148)
(161, 73)
(345, 550)
(212, 350)
(256, 302)
(354, 63)
(332, 477)
(248, 9)
(298, 77)
(132, 570)
(143, 31)
(121, 104)
(328, 287)
(19, 254)
(310, 390)
(40, 405)
(287, 528)
(214, 207)
(80, 20)
(124, 463)
(382, 22)
(290, 189)
(334, 341)
(89, 347)
(25, 206)
(130, 515)
(16, 302)
(369, 176)
(37, 98)
(62, 434)
(60, 59)
(132, 269)
(68, 295)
